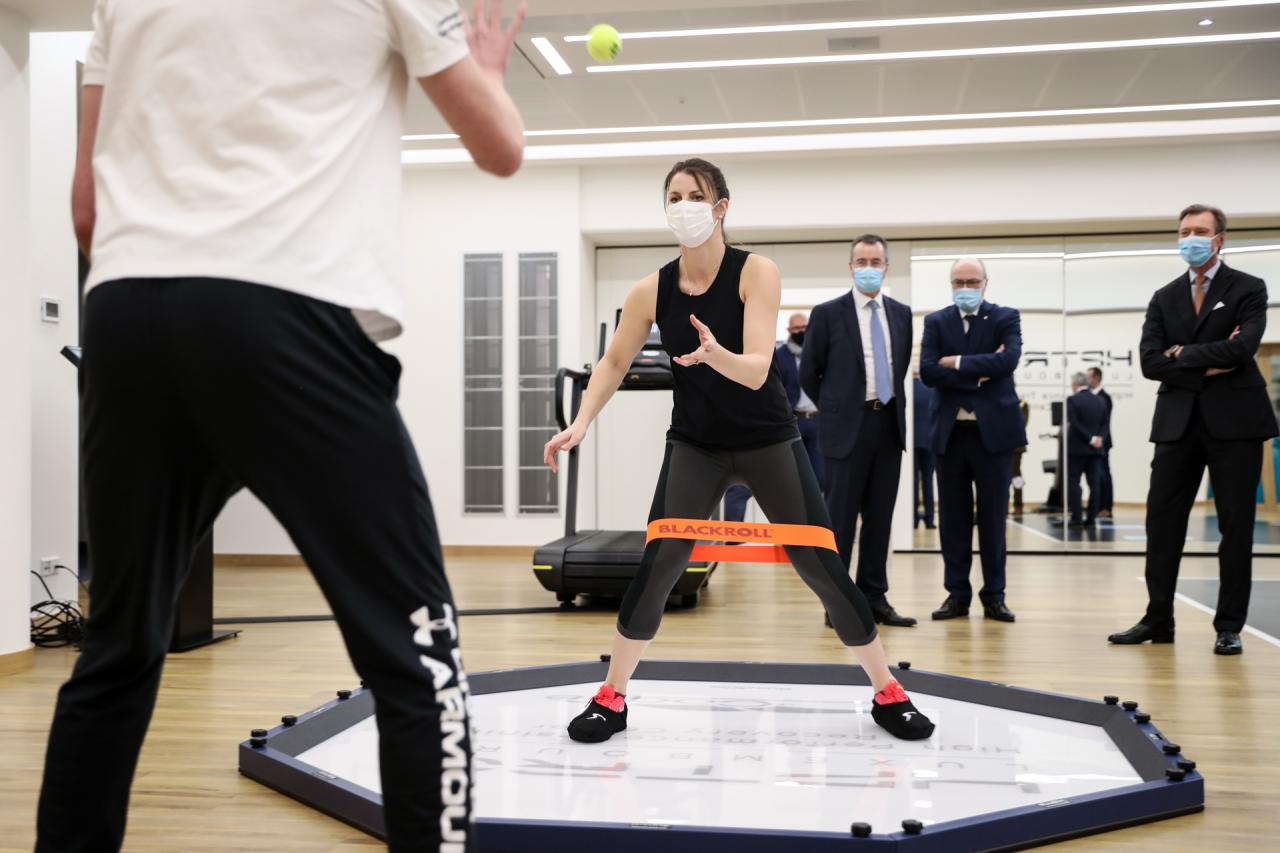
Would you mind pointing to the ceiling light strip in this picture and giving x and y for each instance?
(940, 20)
(870, 120)
(871, 140)
(551, 55)
(946, 53)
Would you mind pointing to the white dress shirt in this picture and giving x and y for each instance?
(862, 302)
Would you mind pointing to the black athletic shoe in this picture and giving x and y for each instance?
(605, 716)
(900, 718)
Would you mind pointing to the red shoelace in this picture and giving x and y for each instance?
(892, 694)
(614, 701)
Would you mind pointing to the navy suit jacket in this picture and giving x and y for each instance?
(994, 402)
(926, 412)
(790, 373)
(833, 370)
(1086, 417)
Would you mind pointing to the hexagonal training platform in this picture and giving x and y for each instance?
(761, 757)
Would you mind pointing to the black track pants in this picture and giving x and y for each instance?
(194, 388)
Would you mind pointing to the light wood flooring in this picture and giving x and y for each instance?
(189, 797)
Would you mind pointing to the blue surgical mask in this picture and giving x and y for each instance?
(868, 279)
(967, 299)
(1195, 250)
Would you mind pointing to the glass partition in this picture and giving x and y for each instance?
(1026, 274)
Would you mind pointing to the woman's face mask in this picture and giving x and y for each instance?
(692, 222)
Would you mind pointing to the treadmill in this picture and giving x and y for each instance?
(603, 562)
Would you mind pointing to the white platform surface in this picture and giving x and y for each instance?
(762, 756)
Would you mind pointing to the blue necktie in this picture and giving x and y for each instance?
(880, 355)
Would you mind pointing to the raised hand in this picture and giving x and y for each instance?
(490, 45)
(706, 345)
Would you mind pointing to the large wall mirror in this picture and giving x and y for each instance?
(1083, 300)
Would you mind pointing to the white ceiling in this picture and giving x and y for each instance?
(1106, 78)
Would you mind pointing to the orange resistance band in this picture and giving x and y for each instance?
(772, 538)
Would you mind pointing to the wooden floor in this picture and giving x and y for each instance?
(189, 797)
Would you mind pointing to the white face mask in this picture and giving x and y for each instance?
(691, 221)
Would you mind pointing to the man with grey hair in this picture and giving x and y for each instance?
(1086, 429)
(968, 354)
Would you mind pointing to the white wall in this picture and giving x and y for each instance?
(18, 314)
(1006, 189)
(54, 272)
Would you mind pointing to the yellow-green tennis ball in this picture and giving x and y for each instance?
(603, 43)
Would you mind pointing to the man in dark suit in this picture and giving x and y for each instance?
(1199, 341)
(1106, 491)
(968, 353)
(787, 356)
(856, 354)
(924, 408)
(1086, 427)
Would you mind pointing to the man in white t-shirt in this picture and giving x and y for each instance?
(238, 193)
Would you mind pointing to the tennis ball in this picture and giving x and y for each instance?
(603, 43)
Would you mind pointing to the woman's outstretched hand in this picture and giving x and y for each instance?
(567, 440)
(706, 345)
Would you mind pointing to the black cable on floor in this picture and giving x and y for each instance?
(54, 623)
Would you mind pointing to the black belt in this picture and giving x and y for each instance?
(876, 405)
(804, 416)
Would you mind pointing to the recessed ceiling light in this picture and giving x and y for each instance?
(551, 55)
(986, 18)
(948, 53)
(870, 120)
(1206, 22)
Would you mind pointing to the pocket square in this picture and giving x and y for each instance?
(1219, 305)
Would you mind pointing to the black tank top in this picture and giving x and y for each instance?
(710, 410)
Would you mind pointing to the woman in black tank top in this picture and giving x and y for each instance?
(717, 308)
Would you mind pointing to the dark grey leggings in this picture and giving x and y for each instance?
(780, 477)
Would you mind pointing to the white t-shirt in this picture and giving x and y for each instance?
(259, 140)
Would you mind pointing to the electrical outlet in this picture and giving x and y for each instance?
(48, 565)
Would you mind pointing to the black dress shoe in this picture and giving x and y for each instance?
(1141, 633)
(998, 611)
(886, 615)
(1080, 525)
(929, 525)
(952, 608)
(1228, 644)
